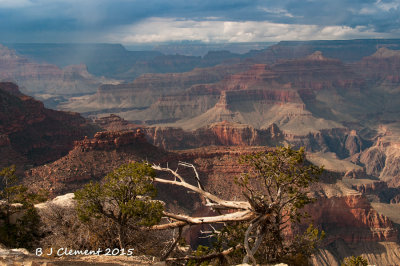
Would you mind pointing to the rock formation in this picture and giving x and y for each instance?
(109, 140)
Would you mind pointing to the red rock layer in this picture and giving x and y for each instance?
(224, 133)
(352, 219)
(314, 72)
(221, 134)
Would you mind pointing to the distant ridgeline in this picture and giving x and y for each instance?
(114, 61)
(344, 50)
(101, 59)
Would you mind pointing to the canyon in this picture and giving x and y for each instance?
(341, 105)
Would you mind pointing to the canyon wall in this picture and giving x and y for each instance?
(37, 133)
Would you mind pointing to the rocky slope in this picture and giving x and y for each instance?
(381, 253)
(220, 134)
(92, 159)
(30, 133)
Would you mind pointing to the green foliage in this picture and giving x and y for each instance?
(125, 197)
(283, 171)
(302, 246)
(200, 252)
(20, 220)
(354, 261)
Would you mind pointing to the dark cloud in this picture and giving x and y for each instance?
(70, 20)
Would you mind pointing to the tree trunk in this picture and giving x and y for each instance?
(173, 245)
(121, 237)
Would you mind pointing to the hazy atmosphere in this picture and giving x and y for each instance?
(133, 21)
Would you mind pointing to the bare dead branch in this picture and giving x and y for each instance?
(230, 217)
(167, 169)
(166, 226)
(182, 183)
(199, 184)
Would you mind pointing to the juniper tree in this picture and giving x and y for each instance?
(277, 187)
(125, 197)
(20, 220)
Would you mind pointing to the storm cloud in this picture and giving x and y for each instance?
(129, 21)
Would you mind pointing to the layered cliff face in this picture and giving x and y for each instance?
(147, 89)
(313, 71)
(259, 97)
(219, 134)
(36, 133)
(265, 95)
(337, 215)
(342, 142)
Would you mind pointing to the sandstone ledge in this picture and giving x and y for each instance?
(109, 140)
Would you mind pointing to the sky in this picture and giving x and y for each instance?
(150, 21)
